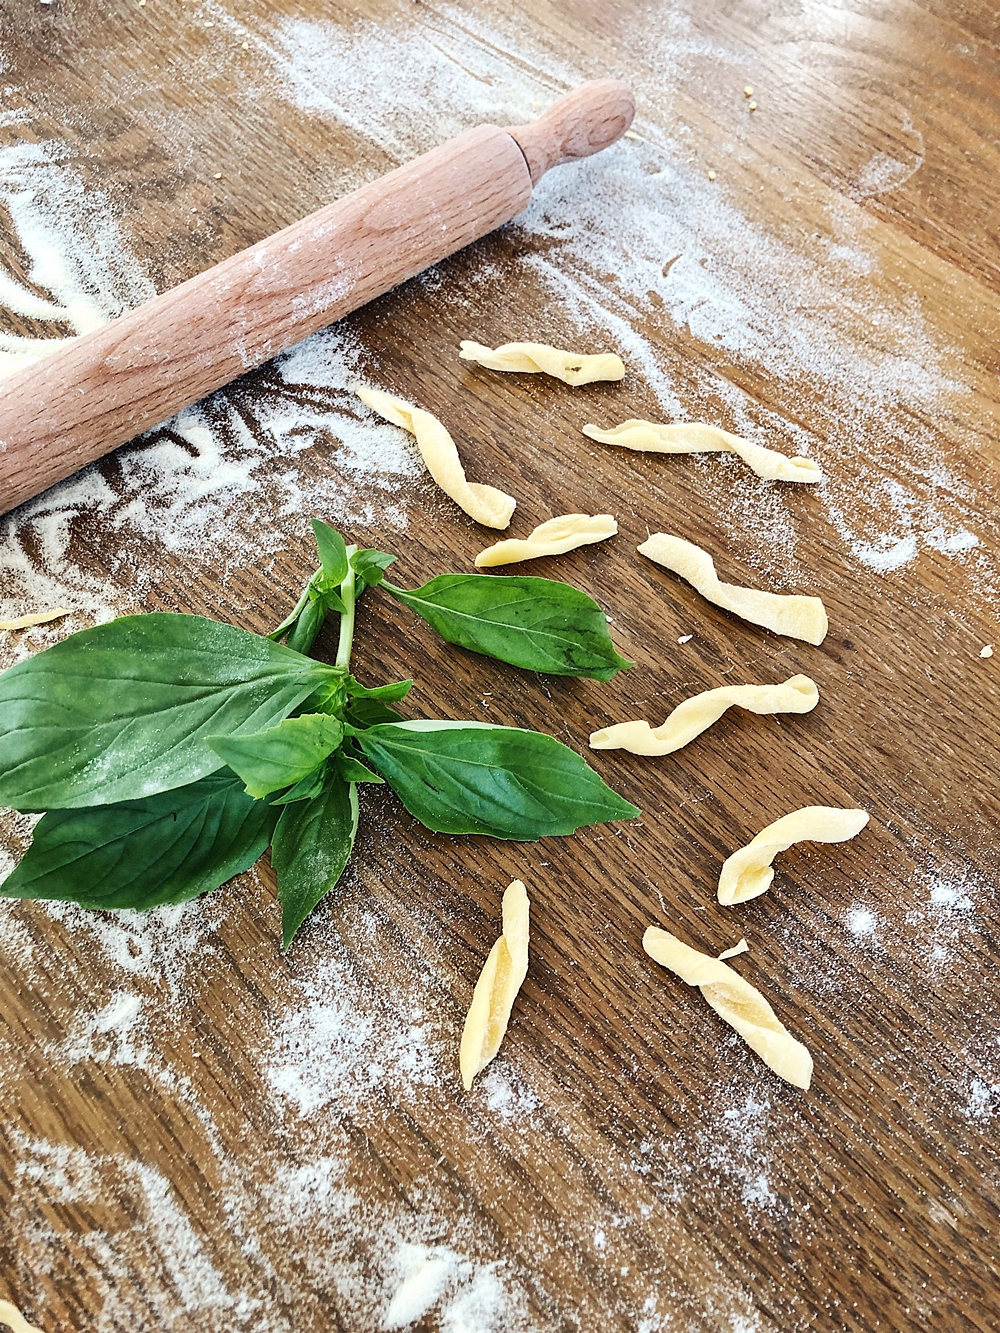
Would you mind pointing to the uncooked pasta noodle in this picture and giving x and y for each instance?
(748, 873)
(553, 537)
(539, 358)
(735, 1000)
(497, 987)
(689, 719)
(485, 504)
(797, 617)
(691, 437)
(37, 618)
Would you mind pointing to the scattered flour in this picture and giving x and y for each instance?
(164, 1267)
(946, 919)
(862, 922)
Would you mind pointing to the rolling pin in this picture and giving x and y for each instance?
(106, 387)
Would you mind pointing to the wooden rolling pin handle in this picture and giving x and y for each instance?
(590, 118)
(106, 387)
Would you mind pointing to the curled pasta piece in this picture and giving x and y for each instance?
(797, 617)
(689, 719)
(497, 987)
(554, 537)
(735, 1000)
(692, 437)
(734, 952)
(540, 358)
(485, 504)
(15, 1320)
(38, 618)
(748, 873)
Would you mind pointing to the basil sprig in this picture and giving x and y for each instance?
(166, 752)
(536, 624)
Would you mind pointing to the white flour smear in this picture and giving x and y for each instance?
(78, 274)
(639, 234)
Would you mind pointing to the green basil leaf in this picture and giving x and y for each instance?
(122, 710)
(352, 770)
(161, 849)
(389, 694)
(312, 846)
(369, 713)
(305, 789)
(469, 777)
(330, 698)
(370, 566)
(282, 756)
(308, 624)
(537, 624)
(332, 555)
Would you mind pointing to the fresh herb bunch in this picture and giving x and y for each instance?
(166, 752)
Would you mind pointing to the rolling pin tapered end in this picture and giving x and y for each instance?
(590, 118)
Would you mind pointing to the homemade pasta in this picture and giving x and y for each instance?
(15, 1320)
(796, 617)
(497, 987)
(485, 504)
(689, 719)
(39, 618)
(737, 1002)
(554, 537)
(748, 873)
(540, 358)
(690, 437)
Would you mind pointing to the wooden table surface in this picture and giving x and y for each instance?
(198, 1133)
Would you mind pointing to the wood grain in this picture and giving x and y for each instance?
(635, 1167)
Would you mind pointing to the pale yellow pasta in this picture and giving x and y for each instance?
(689, 719)
(735, 1000)
(497, 987)
(485, 504)
(691, 437)
(540, 358)
(38, 618)
(797, 617)
(748, 873)
(735, 951)
(15, 1320)
(554, 537)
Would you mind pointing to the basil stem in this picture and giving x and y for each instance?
(348, 595)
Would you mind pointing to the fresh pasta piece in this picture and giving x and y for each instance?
(38, 618)
(485, 504)
(737, 1002)
(553, 537)
(689, 719)
(748, 873)
(497, 987)
(540, 358)
(735, 951)
(15, 1320)
(796, 617)
(692, 437)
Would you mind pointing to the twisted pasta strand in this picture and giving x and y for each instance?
(691, 437)
(497, 987)
(554, 537)
(15, 1320)
(689, 719)
(748, 873)
(39, 618)
(737, 1002)
(540, 358)
(797, 617)
(485, 504)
